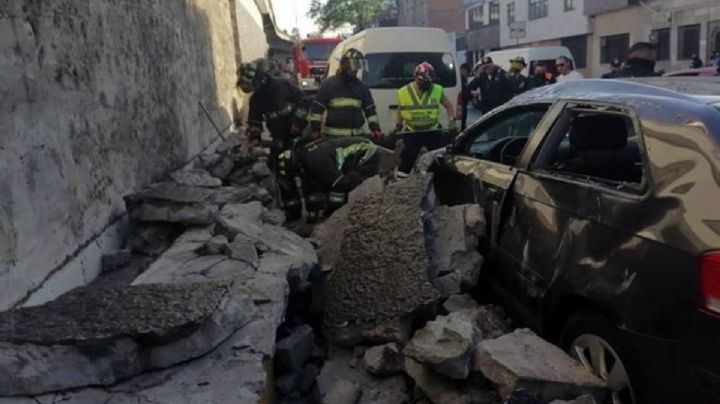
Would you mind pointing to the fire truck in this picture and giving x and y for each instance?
(310, 58)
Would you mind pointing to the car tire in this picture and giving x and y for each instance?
(595, 342)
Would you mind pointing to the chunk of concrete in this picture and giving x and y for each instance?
(196, 177)
(97, 336)
(216, 246)
(440, 390)
(243, 249)
(391, 390)
(295, 349)
(343, 392)
(462, 302)
(446, 344)
(522, 360)
(492, 321)
(222, 167)
(307, 378)
(260, 170)
(384, 360)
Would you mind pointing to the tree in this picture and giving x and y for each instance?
(335, 14)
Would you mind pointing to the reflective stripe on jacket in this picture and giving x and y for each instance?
(417, 113)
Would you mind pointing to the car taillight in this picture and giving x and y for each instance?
(710, 281)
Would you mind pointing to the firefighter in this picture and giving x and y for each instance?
(518, 82)
(346, 101)
(274, 104)
(329, 169)
(419, 110)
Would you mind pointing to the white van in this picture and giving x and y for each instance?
(545, 54)
(393, 54)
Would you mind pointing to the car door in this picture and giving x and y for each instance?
(479, 171)
(576, 209)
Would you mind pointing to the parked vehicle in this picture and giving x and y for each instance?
(310, 60)
(604, 226)
(701, 72)
(393, 54)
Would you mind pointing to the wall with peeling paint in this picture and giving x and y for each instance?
(97, 99)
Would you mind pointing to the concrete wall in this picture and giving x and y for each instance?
(558, 24)
(99, 98)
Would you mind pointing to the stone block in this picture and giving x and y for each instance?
(295, 349)
(384, 360)
(343, 392)
(196, 177)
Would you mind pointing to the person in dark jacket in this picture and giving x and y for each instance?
(518, 81)
(615, 67)
(329, 168)
(540, 77)
(346, 101)
(492, 86)
(640, 62)
(696, 62)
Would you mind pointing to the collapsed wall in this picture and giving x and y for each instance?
(99, 99)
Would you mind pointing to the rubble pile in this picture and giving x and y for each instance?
(402, 326)
(188, 313)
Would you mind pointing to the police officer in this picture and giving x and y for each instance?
(346, 101)
(518, 82)
(540, 77)
(492, 86)
(330, 168)
(419, 110)
(274, 103)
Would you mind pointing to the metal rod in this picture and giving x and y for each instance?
(211, 121)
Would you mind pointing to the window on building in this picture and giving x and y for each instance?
(569, 5)
(614, 47)
(578, 48)
(661, 39)
(537, 9)
(475, 17)
(688, 41)
(511, 12)
(494, 11)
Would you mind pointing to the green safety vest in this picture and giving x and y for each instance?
(417, 113)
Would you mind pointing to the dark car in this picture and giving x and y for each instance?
(602, 200)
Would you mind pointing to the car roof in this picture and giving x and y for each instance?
(701, 90)
(702, 71)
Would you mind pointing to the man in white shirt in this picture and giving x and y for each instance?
(566, 70)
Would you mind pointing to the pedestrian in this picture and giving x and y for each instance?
(640, 62)
(518, 81)
(696, 62)
(541, 77)
(329, 168)
(716, 60)
(273, 104)
(466, 96)
(346, 101)
(615, 67)
(419, 111)
(566, 70)
(491, 86)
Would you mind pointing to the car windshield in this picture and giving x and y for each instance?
(394, 70)
(318, 51)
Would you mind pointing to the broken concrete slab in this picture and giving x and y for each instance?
(153, 239)
(463, 302)
(243, 249)
(382, 272)
(492, 321)
(384, 360)
(196, 177)
(343, 392)
(446, 344)
(96, 336)
(217, 245)
(440, 390)
(260, 170)
(295, 349)
(222, 167)
(522, 360)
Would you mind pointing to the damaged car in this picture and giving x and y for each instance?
(602, 200)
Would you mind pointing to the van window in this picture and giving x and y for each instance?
(394, 70)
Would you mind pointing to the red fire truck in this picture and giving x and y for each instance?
(310, 58)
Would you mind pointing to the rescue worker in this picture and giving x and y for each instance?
(615, 66)
(491, 86)
(518, 82)
(346, 101)
(419, 110)
(330, 168)
(274, 103)
(541, 77)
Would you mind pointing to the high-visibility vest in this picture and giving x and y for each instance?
(420, 113)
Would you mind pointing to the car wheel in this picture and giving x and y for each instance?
(594, 342)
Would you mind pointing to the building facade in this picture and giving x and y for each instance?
(482, 28)
(547, 22)
(445, 14)
(679, 28)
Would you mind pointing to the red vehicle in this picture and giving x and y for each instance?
(310, 57)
